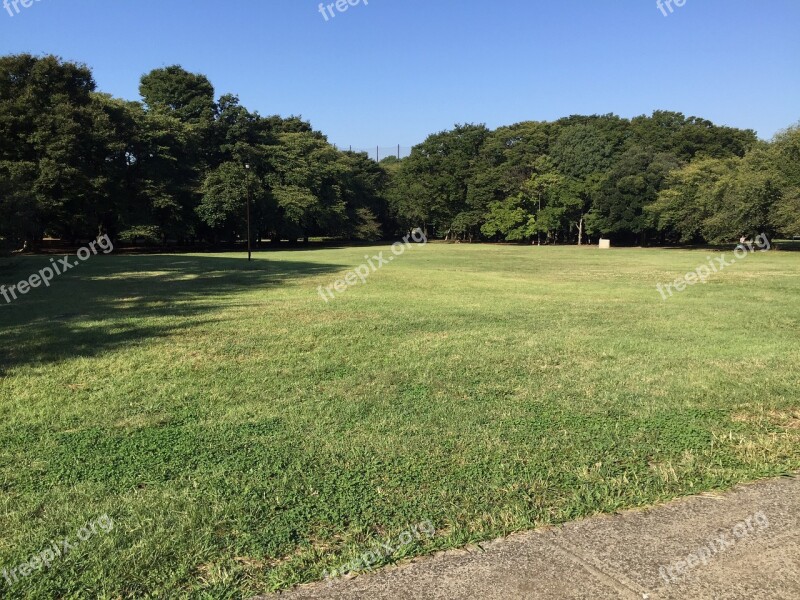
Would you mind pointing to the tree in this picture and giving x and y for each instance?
(165, 175)
(529, 212)
(188, 97)
(690, 197)
(584, 151)
(434, 181)
(627, 189)
(687, 138)
(305, 181)
(408, 198)
(510, 220)
(363, 183)
(746, 198)
(46, 151)
(588, 145)
(226, 193)
(538, 192)
(719, 200)
(504, 163)
(785, 213)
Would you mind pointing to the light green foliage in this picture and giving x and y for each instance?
(691, 197)
(785, 216)
(226, 192)
(510, 219)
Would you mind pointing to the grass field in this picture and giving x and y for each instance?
(244, 435)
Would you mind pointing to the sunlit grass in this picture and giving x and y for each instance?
(244, 435)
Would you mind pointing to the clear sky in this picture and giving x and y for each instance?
(393, 71)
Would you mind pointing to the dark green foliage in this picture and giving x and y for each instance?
(75, 163)
(186, 96)
(47, 142)
(597, 176)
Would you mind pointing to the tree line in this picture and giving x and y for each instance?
(659, 179)
(177, 167)
(181, 165)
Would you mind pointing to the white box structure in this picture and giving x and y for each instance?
(605, 244)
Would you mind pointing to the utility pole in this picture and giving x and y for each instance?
(249, 237)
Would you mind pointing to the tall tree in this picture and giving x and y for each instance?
(181, 114)
(628, 188)
(305, 178)
(437, 175)
(785, 214)
(46, 157)
(189, 97)
(746, 199)
(690, 197)
(227, 192)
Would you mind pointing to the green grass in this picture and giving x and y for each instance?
(244, 435)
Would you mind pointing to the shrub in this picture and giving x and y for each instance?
(146, 234)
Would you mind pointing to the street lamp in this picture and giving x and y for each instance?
(249, 237)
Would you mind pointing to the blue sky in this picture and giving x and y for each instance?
(393, 71)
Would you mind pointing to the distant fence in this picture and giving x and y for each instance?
(378, 153)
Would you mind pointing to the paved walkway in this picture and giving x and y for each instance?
(744, 544)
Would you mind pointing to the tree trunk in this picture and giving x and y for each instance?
(580, 231)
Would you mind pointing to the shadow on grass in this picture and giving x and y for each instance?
(113, 301)
(784, 245)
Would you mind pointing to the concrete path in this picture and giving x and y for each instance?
(742, 544)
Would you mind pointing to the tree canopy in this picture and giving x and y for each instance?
(181, 164)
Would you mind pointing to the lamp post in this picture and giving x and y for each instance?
(249, 237)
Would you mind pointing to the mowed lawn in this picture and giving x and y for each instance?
(244, 435)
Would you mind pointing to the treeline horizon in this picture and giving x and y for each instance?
(181, 166)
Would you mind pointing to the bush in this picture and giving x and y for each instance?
(146, 234)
